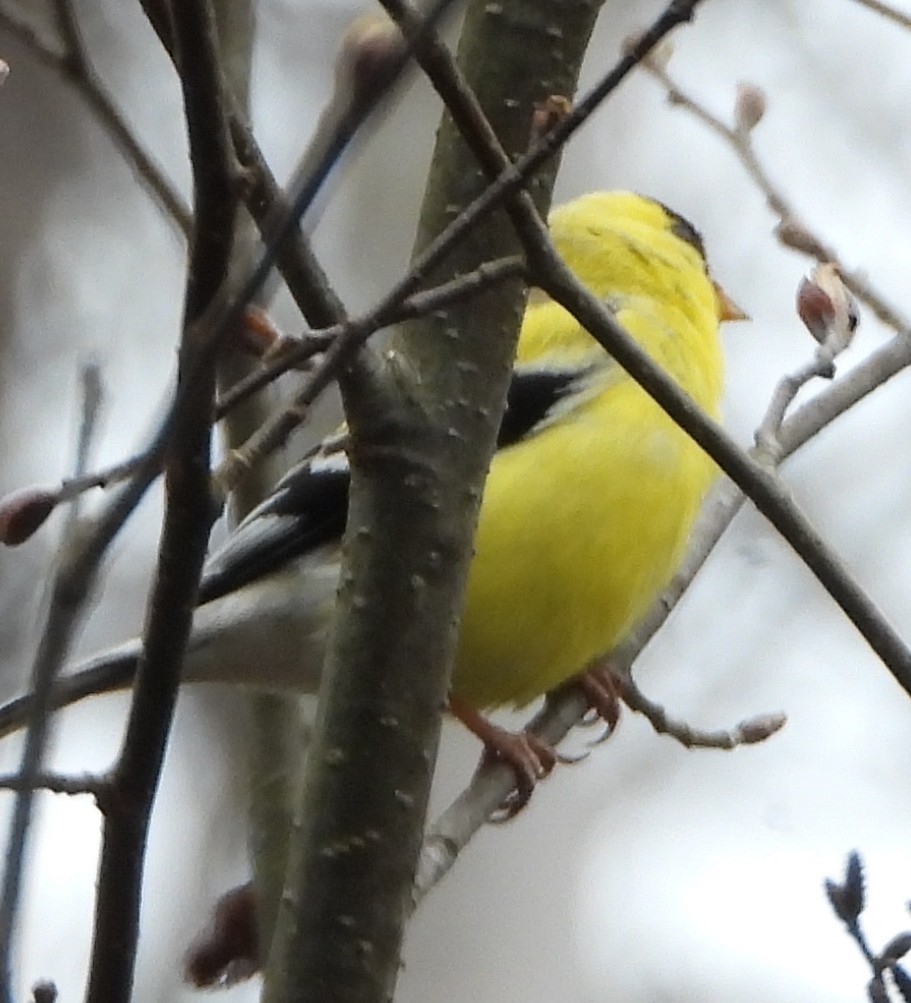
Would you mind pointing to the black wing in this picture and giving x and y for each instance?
(531, 397)
(308, 507)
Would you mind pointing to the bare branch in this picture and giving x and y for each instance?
(887, 11)
(188, 517)
(64, 607)
(56, 783)
(762, 486)
(490, 787)
(289, 352)
(749, 732)
(791, 230)
(73, 64)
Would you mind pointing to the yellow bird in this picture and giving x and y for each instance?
(586, 511)
(586, 515)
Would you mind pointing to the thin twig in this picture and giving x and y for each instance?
(70, 590)
(291, 352)
(73, 64)
(748, 732)
(43, 682)
(791, 231)
(887, 11)
(93, 401)
(56, 783)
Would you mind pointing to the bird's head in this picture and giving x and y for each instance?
(621, 244)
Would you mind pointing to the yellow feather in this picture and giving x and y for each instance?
(584, 521)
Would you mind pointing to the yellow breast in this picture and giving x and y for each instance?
(584, 522)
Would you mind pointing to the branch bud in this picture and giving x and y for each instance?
(44, 991)
(895, 950)
(549, 113)
(749, 107)
(758, 729)
(847, 899)
(23, 512)
(827, 308)
(368, 53)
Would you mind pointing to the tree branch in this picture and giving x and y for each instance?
(417, 469)
(74, 65)
(189, 513)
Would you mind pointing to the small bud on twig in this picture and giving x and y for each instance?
(827, 308)
(847, 899)
(549, 113)
(368, 53)
(895, 950)
(44, 991)
(749, 107)
(758, 729)
(23, 512)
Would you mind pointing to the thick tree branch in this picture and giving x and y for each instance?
(453, 830)
(417, 474)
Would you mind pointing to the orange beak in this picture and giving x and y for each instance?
(727, 308)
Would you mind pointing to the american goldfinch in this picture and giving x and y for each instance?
(586, 511)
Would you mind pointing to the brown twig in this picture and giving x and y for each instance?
(188, 517)
(64, 609)
(56, 783)
(70, 590)
(291, 352)
(507, 184)
(748, 732)
(887, 11)
(73, 64)
(791, 230)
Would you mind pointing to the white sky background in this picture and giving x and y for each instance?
(648, 872)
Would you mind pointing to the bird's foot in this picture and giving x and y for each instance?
(603, 688)
(530, 757)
